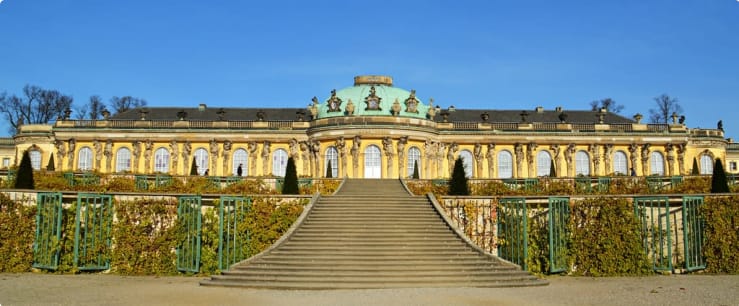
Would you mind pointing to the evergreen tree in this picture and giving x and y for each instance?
(290, 185)
(552, 171)
(194, 167)
(329, 173)
(50, 165)
(695, 170)
(458, 183)
(415, 170)
(718, 180)
(24, 178)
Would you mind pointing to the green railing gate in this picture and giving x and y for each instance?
(654, 215)
(92, 232)
(47, 244)
(189, 218)
(559, 216)
(233, 245)
(693, 234)
(512, 233)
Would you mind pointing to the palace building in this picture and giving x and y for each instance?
(371, 130)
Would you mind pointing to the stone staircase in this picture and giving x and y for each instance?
(372, 234)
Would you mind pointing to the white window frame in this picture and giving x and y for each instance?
(279, 162)
(620, 163)
(582, 163)
(332, 155)
(543, 163)
(201, 160)
(656, 163)
(505, 164)
(84, 159)
(706, 164)
(161, 160)
(414, 154)
(35, 156)
(241, 156)
(123, 160)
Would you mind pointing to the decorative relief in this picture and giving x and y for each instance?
(252, 147)
(453, 148)
(411, 104)
(490, 155)
(174, 152)
(227, 145)
(334, 102)
(72, 143)
(519, 159)
(186, 150)
(477, 153)
(213, 156)
(341, 147)
(373, 101)
(265, 157)
(401, 154)
(61, 151)
(356, 144)
(387, 144)
(136, 145)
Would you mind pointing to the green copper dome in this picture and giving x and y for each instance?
(371, 96)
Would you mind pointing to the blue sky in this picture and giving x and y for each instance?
(470, 54)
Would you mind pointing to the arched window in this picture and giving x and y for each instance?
(620, 163)
(582, 163)
(123, 160)
(466, 156)
(201, 160)
(505, 164)
(706, 164)
(161, 160)
(241, 157)
(35, 156)
(279, 162)
(372, 162)
(332, 155)
(656, 163)
(414, 156)
(543, 163)
(84, 161)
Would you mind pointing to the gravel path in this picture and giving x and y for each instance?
(98, 289)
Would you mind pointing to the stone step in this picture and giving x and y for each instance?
(375, 268)
(369, 262)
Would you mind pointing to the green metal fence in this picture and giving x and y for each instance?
(583, 185)
(92, 233)
(559, 217)
(142, 183)
(233, 245)
(189, 219)
(654, 216)
(693, 225)
(47, 243)
(512, 231)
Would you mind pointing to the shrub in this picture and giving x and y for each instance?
(329, 173)
(415, 170)
(290, 185)
(458, 183)
(24, 178)
(721, 241)
(718, 179)
(193, 167)
(17, 229)
(695, 170)
(50, 165)
(606, 238)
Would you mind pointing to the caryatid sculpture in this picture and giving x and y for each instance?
(266, 150)
(477, 153)
(490, 155)
(401, 154)
(387, 144)
(355, 150)
(341, 147)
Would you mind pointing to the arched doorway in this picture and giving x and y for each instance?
(372, 162)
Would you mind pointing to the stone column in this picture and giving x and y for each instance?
(387, 145)
(595, 153)
(645, 158)
(607, 152)
(477, 153)
(174, 151)
(98, 147)
(440, 149)
(186, 163)
(305, 154)
(108, 152)
(670, 152)
(214, 150)
(61, 151)
(633, 157)
(355, 151)
(530, 150)
(519, 160)
(226, 154)
(569, 154)
(252, 146)
(341, 148)
(401, 156)
(266, 150)
(136, 145)
(490, 155)
(681, 158)
(556, 150)
(72, 143)
(147, 156)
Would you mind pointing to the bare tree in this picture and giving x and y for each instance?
(122, 104)
(665, 107)
(92, 110)
(37, 106)
(609, 104)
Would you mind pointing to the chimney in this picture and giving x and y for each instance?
(201, 107)
(558, 109)
(539, 109)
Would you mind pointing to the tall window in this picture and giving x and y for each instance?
(84, 161)
(6, 162)
(123, 160)
(372, 162)
(706, 164)
(582, 163)
(161, 160)
(656, 163)
(331, 156)
(466, 156)
(505, 164)
(279, 162)
(620, 163)
(543, 163)
(241, 157)
(35, 156)
(201, 160)
(414, 156)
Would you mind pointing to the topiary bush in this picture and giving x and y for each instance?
(718, 179)
(24, 177)
(458, 184)
(290, 185)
